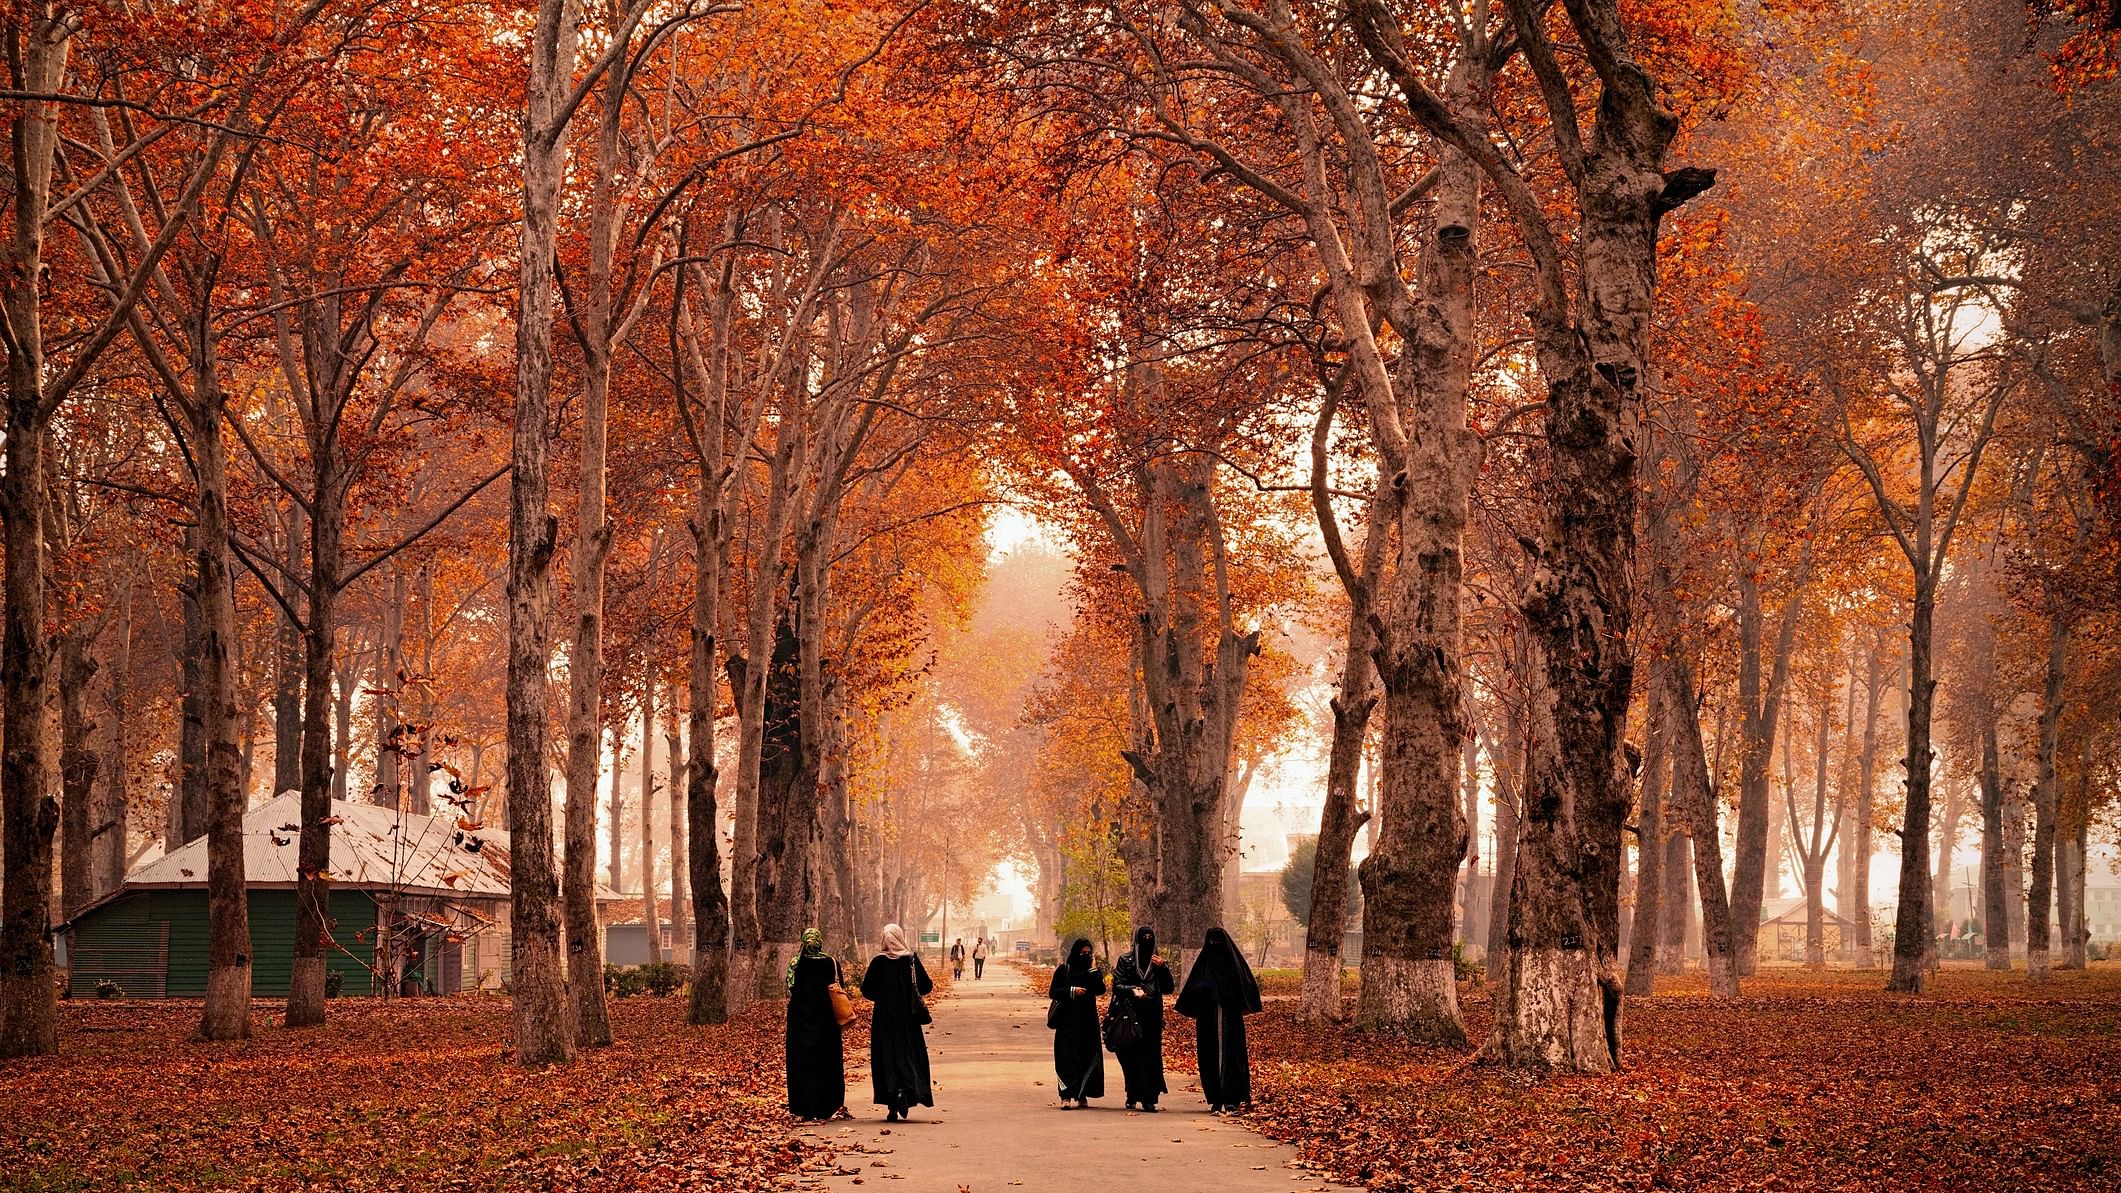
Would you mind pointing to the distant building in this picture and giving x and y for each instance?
(432, 892)
(1264, 929)
(626, 932)
(2102, 900)
(1783, 929)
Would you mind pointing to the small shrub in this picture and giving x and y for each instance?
(1463, 969)
(664, 978)
(624, 981)
(334, 981)
(109, 989)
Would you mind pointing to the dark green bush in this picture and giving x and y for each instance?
(665, 978)
(1465, 970)
(657, 977)
(109, 989)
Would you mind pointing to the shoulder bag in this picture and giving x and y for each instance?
(842, 1003)
(1123, 1028)
(921, 1014)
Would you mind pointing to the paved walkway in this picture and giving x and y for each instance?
(997, 1125)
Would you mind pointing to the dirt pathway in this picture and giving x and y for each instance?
(996, 1124)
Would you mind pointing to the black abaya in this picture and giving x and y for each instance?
(1225, 1064)
(1219, 992)
(817, 1070)
(1143, 1060)
(898, 1052)
(1078, 1054)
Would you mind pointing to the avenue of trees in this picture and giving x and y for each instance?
(1677, 436)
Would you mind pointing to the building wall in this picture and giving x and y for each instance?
(153, 944)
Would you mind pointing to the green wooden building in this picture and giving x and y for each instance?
(152, 943)
(434, 889)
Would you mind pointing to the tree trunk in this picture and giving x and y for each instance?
(1693, 800)
(1649, 842)
(1320, 999)
(1866, 794)
(544, 1021)
(703, 830)
(187, 805)
(347, 672)
(287, 668)
(1508, 816)
(1994, 911)
(1760, 701)
(78, 767)
(2073, 826)
(650, 915)
(749, 676)
(29, 818)
(322, 759)
(1955, 802)
(1192, 697)
(1679, 924)
(615, 823)
(680, 892)
(787, 813)
(1911, 926)
(29, 815)
(842, 914)
(2014, 872)
(1815, 849)
(1469, 788)
(389, 685)
(108, 849)
(228, 964)
(2040, 898)
(420, 764)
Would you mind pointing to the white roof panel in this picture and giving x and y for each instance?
(370, 847)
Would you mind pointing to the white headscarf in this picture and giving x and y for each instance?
(894, 941)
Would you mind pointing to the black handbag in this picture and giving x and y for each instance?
(921, 1015)
(1123, 1028)
(1053, 1012)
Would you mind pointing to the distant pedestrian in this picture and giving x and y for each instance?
(1142, 978)
(817, 1068)
(1219, 992)
(898, 1051)
(1078, 1055)
(957, 959)
(979, 959)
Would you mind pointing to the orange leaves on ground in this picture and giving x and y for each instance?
(404, 1095)
(1810, 1082)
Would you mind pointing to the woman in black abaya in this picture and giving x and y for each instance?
(1142, 978)
(898, 1052)
(817, 1070)
(1078, 1055)
(1218, 994)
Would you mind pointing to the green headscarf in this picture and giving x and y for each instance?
(813, 946)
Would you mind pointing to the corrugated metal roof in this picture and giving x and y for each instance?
(370, 847)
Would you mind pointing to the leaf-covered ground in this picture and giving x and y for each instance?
(412, 1095)
(1810, 1082)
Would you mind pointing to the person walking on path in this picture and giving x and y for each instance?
(1218, 994)
(957, 959)
(1142, 978)
(817, 1068)
(898, 1051)
(979, 959)
(1078, 1054)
